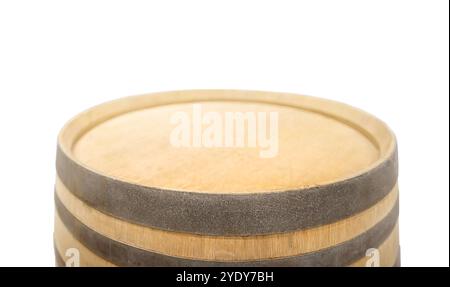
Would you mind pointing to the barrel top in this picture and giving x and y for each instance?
(132, 159)
(182, 141)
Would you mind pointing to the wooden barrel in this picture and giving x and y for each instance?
(226, 178)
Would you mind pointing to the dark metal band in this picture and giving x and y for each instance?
(124, 255)
(229, 214)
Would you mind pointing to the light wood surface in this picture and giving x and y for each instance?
(320, 142)
(312, 149)
(232, 248)
(64, 240)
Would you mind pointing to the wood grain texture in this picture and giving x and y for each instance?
(135, 147)
(64, 240)
(225, 248)
(366, 124)
(126, 255)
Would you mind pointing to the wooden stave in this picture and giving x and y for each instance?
(220, 248)
(388, 258)
(333, 256)
(59, 261)
(313, 206)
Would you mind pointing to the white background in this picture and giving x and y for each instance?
(57, 58)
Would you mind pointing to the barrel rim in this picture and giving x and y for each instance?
(385, 152)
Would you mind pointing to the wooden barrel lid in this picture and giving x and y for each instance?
(330, 161)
